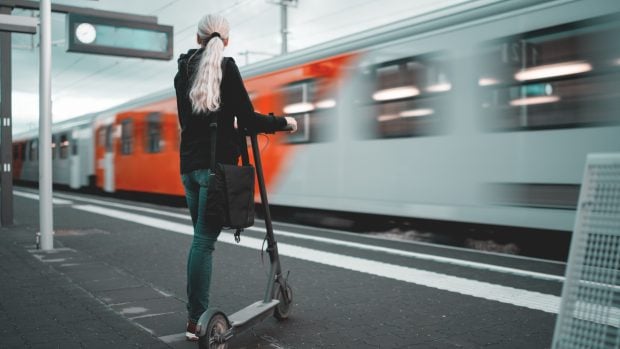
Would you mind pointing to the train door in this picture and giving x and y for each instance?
(108, 160)
(74, 162)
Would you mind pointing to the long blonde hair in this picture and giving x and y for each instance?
(205, 91)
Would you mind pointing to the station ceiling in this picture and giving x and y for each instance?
(84, 83)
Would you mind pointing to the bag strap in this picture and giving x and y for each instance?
(213, 131)
(245, 157)
(213, 124)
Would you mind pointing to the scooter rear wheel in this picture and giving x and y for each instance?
(217, 326)
(283, 310)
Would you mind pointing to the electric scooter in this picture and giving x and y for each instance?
(214, 328)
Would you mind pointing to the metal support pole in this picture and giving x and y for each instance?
(284, 5)
(45, 128)
(6, 137)
(284, 26)
(246, 53)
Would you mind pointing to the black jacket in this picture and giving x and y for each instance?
(234, 101)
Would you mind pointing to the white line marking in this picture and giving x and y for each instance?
(150, 315)
(172, 338)
(131, 207)
(56, 260)
(36, 197)
(422, 243)
(161, 292)
(53, 251)
(423, 256)
(144, 328)
(133, 310)
(144, 220)
(509, 295)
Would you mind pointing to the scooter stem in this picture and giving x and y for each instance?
(272, 247)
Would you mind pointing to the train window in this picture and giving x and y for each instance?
(15, 152)
(153, 133)
(308, 102)
(566, 76)
(64, 146)
(34, 151)
(109, 134)
(74, 147)
(127, 137)
(408, 98)
(53, 147)
(23, 151)
(297, 104)
(101, 136)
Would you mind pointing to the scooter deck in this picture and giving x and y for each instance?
(252, 312)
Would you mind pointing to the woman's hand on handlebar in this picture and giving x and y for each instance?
(291, 124)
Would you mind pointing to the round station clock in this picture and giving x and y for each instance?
(86, 33)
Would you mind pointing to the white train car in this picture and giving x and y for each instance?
(482, 117)
(72, 153)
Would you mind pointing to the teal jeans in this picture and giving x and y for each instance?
(199, 260)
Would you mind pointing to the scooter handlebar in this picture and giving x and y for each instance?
(291, 124)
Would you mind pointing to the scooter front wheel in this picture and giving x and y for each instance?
(213, 338)
(283, 310)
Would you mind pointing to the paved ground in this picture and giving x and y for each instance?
(42, 308)
(118, 276)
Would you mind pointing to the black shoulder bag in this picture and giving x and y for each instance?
(230, 194)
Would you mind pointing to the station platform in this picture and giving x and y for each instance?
(116, 278)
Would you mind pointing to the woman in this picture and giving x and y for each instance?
(207, 85)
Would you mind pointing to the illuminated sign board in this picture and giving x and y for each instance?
(116, 37)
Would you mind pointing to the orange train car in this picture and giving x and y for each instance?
(137, 148)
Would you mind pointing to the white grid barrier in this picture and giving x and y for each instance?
(589, 314)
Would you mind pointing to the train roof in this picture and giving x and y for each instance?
(58, 127)
(439, 20)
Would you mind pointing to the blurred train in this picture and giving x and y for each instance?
(480, 113)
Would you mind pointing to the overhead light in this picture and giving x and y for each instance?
(534, 100)
(387, 117)
(441, 87)
(297, 108)
(326, 104)
(395, 93)
(487, 81)
(553, 70)
(406, 114)
(416, 112)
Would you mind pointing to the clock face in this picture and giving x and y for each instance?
(86, 33)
